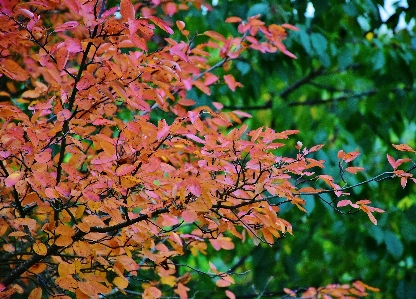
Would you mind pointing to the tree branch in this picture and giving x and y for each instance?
(332, 100)
(315, 73)
(53, 249)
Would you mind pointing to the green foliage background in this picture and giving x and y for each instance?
(352, 88)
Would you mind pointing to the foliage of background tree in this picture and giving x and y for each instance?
(351, 87)
(115, 181)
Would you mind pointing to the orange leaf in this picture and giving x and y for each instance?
(61, 56)
(139, 42)
(353, 170)
(40, 248)
(291, 27)
(12, 70)
(233, 20)
(201, 86)
(215, 35)
(222, 243)
(230, 81)
(347, 157)
(161, 24)
(403, 148)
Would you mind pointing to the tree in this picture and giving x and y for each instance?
(111, 175)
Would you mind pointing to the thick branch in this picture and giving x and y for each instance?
(65, 128)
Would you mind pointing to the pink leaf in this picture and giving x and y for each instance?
(91, 195)
(66, 26)
(124, 169)
(343, 203)
(372, 218)
(13, 178)
(229, 294)
(392, 161)
(189, 216)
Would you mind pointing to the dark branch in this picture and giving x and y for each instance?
(315, 102)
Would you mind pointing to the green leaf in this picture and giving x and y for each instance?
(393, 244)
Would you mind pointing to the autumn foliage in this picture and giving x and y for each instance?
(108, 172)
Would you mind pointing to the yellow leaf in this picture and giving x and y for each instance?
(40, 248)
(120, 282)
(168, 280)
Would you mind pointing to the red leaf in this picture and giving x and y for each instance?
(161, 24)
(127, 10)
